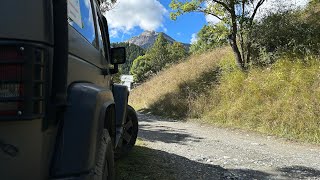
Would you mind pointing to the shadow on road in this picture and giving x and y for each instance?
(161, 133)
(147, 163)
(300, 172)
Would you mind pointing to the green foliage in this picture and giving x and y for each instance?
(141, 68)
(132, 52)
(107, 5)
(161, 55)
(291, 33)
(177, 52)
(237, 15)
(314, 2)
(209, 37)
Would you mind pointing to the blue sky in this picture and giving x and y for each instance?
(131, 17)
(181, 30)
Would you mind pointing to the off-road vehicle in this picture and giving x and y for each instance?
(61, 117)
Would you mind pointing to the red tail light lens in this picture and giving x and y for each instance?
(23, 83)
(11, 72)
(11, 76)
(10, 53)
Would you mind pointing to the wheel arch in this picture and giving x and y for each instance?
(81, 128)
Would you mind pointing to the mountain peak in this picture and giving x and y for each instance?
(148, 33)
(147, 38)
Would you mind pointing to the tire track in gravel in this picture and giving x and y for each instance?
(196, 151)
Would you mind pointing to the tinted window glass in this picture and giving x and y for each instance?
(100, 33)
(80, 17)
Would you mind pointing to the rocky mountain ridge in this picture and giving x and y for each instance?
(147, 38)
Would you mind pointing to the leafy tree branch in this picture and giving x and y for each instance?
(237, 16)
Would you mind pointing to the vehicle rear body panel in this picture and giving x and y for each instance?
(33, 148)
(27, 145)
(27, 20)
(27, 140)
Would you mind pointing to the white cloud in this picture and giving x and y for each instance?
(128, 14)
(211, 19)
(194, 38)
(268, 6)
(275, 5)
(114, 33)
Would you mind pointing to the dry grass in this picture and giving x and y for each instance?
(283, 99)
(172, 91)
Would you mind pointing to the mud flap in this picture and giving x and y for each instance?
(120, 94)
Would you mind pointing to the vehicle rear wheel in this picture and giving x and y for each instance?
(130, 133)
(105, 163)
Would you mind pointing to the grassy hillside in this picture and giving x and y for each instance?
(171, 91)
(283, 99)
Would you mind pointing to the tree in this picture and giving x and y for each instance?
(107, 5)
(177, 52)
(314, 2)
(162, 54)
(141, 68)
(293, 32)
(209, 37)
(237, 15)
(159, 54)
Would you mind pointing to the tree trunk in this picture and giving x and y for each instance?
(236, 51)
(233, 41)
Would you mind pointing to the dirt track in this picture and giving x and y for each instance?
(196, 151)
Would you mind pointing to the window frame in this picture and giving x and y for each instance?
(104, 31)
(94, 43)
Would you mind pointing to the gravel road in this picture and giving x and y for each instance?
(196, 151)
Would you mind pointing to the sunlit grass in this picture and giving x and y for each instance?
(172, 91)
(283, 99)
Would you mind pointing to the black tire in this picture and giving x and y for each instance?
(104, 169)
(130, 133)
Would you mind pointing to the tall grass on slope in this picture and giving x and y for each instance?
(173, 91)
(283, 100)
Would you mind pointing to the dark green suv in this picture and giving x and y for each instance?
(61, 117)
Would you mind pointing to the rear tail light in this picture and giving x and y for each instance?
(22, 78)
(10, 80)
(11, 93)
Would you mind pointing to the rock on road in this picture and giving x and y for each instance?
(198, 151)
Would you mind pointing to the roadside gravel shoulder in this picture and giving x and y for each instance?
(198, 151)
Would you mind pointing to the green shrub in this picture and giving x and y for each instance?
(210, 37)
(141, 68)
(293, 33)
